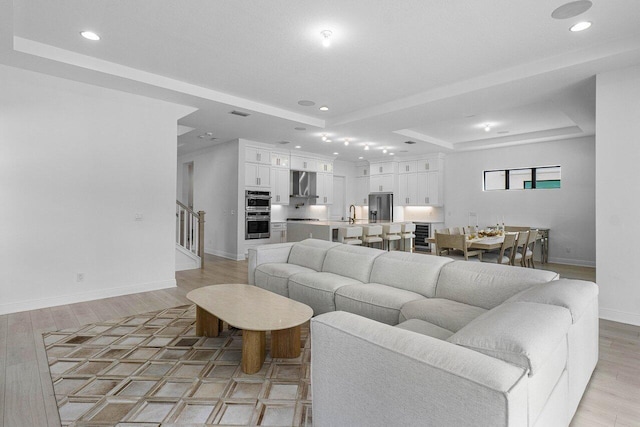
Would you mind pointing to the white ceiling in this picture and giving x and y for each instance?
(431, 71)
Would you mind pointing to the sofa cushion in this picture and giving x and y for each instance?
(522, 333)
(351, 261)
(425, 328)
(486, 285)
(447, 314)
(317, 289)
(575, 295)
(374, 301)
(274, 277)
(412, 272)
(310, 253)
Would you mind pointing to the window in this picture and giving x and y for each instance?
(541, 177)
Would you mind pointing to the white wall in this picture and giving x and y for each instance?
(215, 191)
(618, 207)
(77, 163)
(569, 211)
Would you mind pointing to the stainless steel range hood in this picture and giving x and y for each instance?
(303, 184)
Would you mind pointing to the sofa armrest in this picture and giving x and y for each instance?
(278, 252)
(366, 373)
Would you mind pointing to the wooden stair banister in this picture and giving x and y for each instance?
(190, 230)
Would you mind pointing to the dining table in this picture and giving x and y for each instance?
(488, 243)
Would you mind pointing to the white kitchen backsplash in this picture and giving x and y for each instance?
(281, 213)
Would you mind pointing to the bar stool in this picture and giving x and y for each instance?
(350, 235)
(408, 232)
(371, 234)
(391, 233)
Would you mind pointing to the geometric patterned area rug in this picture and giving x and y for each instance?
(150, 370)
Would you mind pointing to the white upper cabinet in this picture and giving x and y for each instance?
(429, 189)
(280, 160)
(299, 163)
(325, 166)
(382, 183)
(257, 155)
(409, 166)
(407, 189)
(324, 188)
(363, 170)
(279, 186)
(428, 165)
(383, 168)
(257, 175)
(361, 191)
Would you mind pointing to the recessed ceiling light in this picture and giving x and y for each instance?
(324, 108)
(324, 136)
(335, 154)
(90, 35)
(328, 140)
(571, 9)
(202, 136)
(297, 146)
(384, 151)
(391, 154)
(326, 37)
(300, 128)
(360, 158)
(209, 133)
(346, 141)
(306, 103)
(580, 26)
(487, 128)
(366, 147)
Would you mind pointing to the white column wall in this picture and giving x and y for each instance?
(618, 207)
(77, 163)
(569, 211)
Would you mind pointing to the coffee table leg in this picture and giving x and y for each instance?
(207, 324)
(253, 351)
(286, 342)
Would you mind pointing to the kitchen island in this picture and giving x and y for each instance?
(324, 230)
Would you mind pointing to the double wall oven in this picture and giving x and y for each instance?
(257, 214)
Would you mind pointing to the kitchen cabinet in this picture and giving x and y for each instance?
(325, 166)
(407, 189)
(324, 188)
(257, 175)
(383, 168)
(299, 163)
(361, 195)
(257, 155)
(279, 186)
(381, 183)
(362, 170)
(278, 232)
(427, 165)
(410, 166)
(428, 189)
(280, 160)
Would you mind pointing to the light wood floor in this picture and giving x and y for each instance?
(26, 393)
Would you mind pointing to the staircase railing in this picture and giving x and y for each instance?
(190, 230)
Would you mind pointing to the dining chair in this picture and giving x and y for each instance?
(438, 251)
(391, 233)
(456, 230)
(527, 261)
(521, 244)
(371, 234)
(456, 242)
(350, 235)
(503, 256)
(471, 229)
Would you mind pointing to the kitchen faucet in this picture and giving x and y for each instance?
(352, 219)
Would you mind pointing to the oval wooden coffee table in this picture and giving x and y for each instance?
(255, 311)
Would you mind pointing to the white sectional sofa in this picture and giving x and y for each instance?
(409, 339)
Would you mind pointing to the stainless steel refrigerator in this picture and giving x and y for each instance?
(381, 207)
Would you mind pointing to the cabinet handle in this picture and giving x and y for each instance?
(380, 169)
(258, 156)
(426, 200)
(426, 166)
(365, 172)
(257, 181)
(380, 188)
(304, 165)
(277, 162)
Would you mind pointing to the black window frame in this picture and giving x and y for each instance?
(534, 178)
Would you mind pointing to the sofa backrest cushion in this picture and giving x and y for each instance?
(574, 295)
(310, 253)
(523, 333)
(486, 285)
(412, 272)
(351, 261)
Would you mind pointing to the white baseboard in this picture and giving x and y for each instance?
(224, 254)
(620, 316)
(569, 261)
(15, 307)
